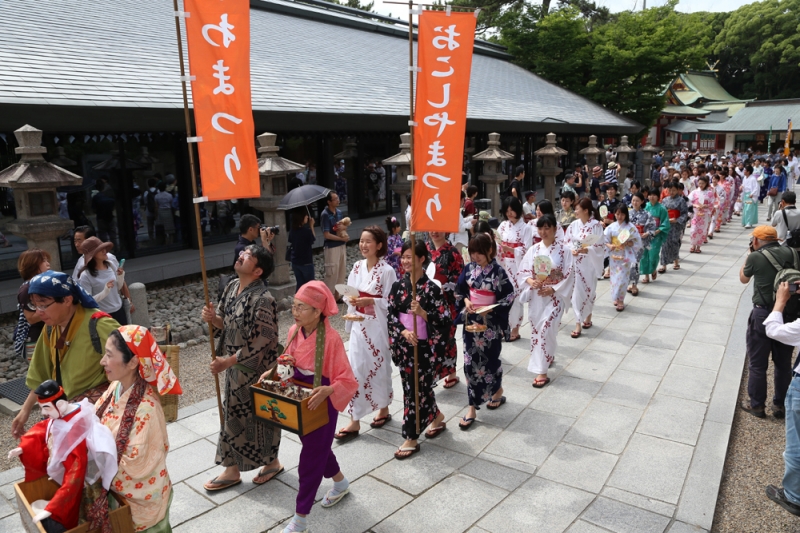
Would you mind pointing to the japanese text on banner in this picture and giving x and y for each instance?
(444, 55)
(218, 37)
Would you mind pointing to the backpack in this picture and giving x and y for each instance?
(150, 202)
(791, 275)
(792, 238)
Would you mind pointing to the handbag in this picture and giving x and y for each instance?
(773, 191)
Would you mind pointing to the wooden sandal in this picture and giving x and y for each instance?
(380, 421)
(586, 325)
(408, 451)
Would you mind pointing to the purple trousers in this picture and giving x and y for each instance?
(316, 458)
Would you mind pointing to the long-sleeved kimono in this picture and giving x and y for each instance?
(585, 267)
(651, 255)
(535, 232)
(394, 244)
(482, 365)
(727, 212)
(250, 331)
(369, 340)
(317, 459)
(449, 264)
(544, 312)
(519, 237)
(645, 224)
(750, 190)
(676, 209)
(703, 204)
(719, 207)
(621, 261)
(431, 347)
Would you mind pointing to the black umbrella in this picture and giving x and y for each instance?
(302, 196)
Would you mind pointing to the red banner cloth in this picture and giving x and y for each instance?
(218, 38)
(444, 55)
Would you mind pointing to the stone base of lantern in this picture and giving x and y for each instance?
(43, 233)
(493, 184)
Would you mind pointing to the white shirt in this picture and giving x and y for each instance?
(788, 334)
(529, 208)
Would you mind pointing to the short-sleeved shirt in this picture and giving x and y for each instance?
(328, 220)
(469, 207)
(593, 188)
(763, 273)
(302, 241)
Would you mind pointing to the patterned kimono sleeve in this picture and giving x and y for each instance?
(564, 287)
(352, 280)
(388, 277)
(649, 224)
(504, 289)
(525, 271)
(637, 239)
(396, 328)
(435, 305)
(684, 216)
(261, 347)
(664, 227)
(462, 287)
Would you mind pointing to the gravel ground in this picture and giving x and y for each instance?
(754, 460)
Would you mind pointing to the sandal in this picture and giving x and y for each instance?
(646, 280)
(655, 275)
(662, 270)
(586, 325)
(635, 291)
(330, 501)
(501, 399)
(435, 432)
(539, 383)
(620, 308)
(221, 484)
(676, 267)
(380, 421)
(575, 334)
(466, 423)
(408, 451)
(344, 435)
(630, 289)
(514, 338)
(450, 383)
(261, 473)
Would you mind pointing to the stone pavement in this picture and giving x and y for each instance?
(630, 436)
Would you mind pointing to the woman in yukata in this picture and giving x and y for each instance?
(483, 282)
(369, 354)
(587, 262)
(547, 295)
(622, 253)
(515, 238)
(423, 322)
(645, 225)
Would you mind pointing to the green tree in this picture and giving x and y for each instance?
(759, 50)
(356, 4)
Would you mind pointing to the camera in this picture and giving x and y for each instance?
(275, 230)
(750, 246)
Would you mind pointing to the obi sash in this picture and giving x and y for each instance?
(658, 221)
(510, 245)
(537, 239)
(640, 227)
(674, 213)
(480, 297)
(407, 320)
(368, 310)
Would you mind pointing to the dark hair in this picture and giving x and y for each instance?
(656, 191)
(248, 221)
(515, 205)
(121, 345)
(482, 226)
(638, 195)
(264, 259)
(29, 261)
(569, 195)
(546, 207)
(420, 250)
(519, 170)
(547, 221)
(568, 176)
(152, 182)
(86, 231)
(392, 223)
(680, 186)
(622, 208)
(637, 184)
(789, 197)
(380, 237)
(482, 244)
(471, 190)
(587, 205)
(749, 168)
(329, 197)
(91, 266)
(298, 219)
(162, 186)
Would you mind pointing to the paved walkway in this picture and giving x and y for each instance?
(630, 436)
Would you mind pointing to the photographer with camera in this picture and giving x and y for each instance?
(766, 261)
(787, 220)
(250, 229)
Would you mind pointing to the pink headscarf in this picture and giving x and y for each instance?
(317, 295)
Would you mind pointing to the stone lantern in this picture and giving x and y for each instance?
(272, 170)
(623, 158)
(402, 186)
(592, 152)
(668, 146)
(648, 151)
(550, 169)
(492, 176)
(34, 182)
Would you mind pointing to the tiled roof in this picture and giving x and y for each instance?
(760, 117)
(109, 53)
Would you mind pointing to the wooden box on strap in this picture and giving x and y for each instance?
(44, 489)
(169, 402)
(287, 413)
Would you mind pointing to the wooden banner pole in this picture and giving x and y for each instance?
(411, 71)
(199, 230)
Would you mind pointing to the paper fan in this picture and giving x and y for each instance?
(431, 273)
(603, 211)
(590, 239)
(542, 265)
(623, 236)
(347, 290)
(485, 309)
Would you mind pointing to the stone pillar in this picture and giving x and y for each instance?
(592, 153)
(624, 152)
(492, 159)
(550, 169)
(648, 151)
(402, 186)
(34, 182)
(140, 317)
(272, 170)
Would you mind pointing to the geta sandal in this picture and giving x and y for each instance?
(221, 484)
(662, 270)
(539, 383)
(501, 400)
(586, 325)
(466, 423)
(450, 383)
(261, 473)
(380, 421)
(575, 334)
(344, 435)
(635, 291)
(435, 432)
(407, 450)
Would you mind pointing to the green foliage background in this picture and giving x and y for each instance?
(623, 61)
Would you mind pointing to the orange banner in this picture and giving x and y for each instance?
(444, 55)
(218, 38)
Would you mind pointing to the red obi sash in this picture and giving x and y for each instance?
(640, 227)
(480, 297)
(510, 245)
(368, 310)
(658, 221)
(537, 239)
(674, 213)
(407, 320)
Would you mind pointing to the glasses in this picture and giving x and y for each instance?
(300, 308)
(44, 307)
(245, 255)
